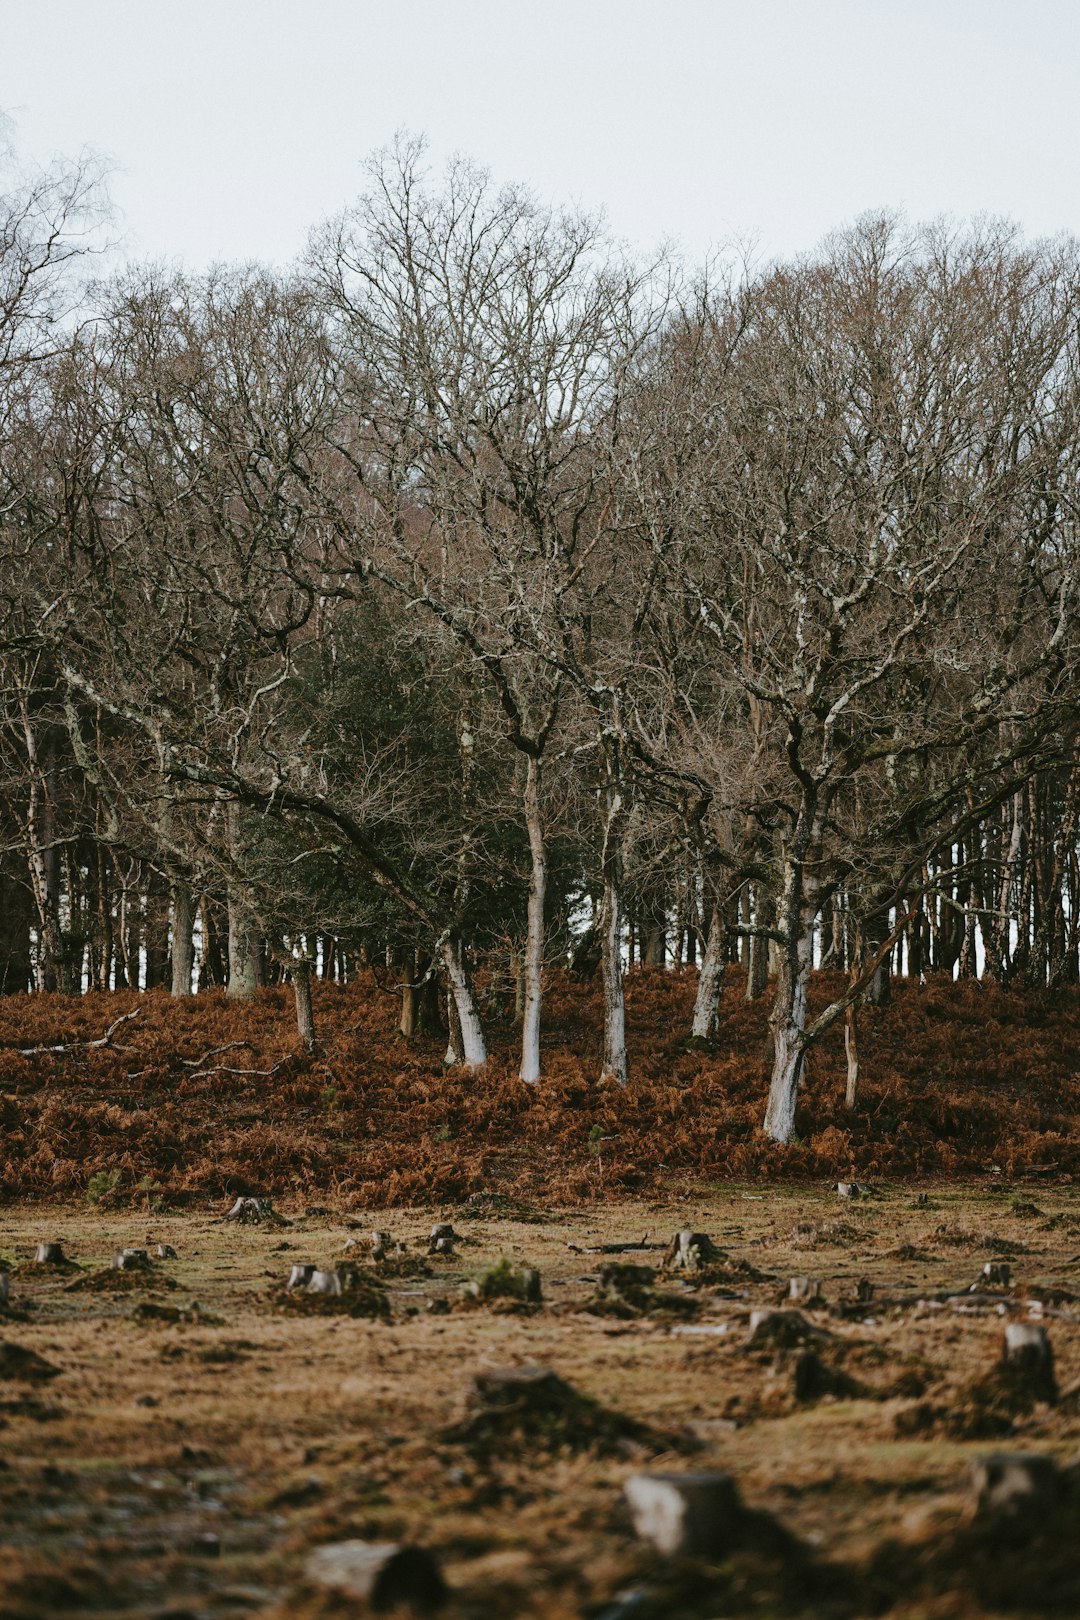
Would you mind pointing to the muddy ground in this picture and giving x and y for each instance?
(185, 1461)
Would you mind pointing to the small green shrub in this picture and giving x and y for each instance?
(100, 1183)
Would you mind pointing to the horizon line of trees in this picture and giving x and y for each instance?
(470, 594)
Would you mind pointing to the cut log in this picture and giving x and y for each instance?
(690, 1251)
(50, 1254)
(804, 1288)
(300, 1276)
(692, 1514)
(383, 1575)
(1011, 1485)
(324, 1282)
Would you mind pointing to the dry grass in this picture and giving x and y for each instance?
(276, 1432)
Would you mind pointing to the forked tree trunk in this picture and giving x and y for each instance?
(183, 942)
(473, 1049)
(710, 982)
(534, 939)
(788, 1016)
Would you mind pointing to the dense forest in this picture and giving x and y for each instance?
(472, 600)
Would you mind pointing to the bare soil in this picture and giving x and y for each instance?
(198, 1440)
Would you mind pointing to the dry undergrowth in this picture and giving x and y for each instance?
(194, 1446)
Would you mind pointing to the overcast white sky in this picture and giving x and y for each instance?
(234, 125)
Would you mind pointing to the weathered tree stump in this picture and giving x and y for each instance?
(324, 1282)
(780, 1330)
(255, 1211)
(1012, 1485)
(165, 1251)
(383, 1575)
(805, 1288)
(690, 1251)
(300, 1275)
(443, 1238)
(1028, 1358)
(694, 1514)
(130, 1260)
(50, 1254)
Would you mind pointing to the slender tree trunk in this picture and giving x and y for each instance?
(851, 1050)
(611, 928)
(788, 1016)
(300, 972)
(183, 943)
(473, 1051)
(757, 974)
(710, 981)
(534, 939)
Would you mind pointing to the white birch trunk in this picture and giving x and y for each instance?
(473, 1048)
(534, 941)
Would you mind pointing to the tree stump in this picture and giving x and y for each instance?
(254, 1211)
(300, 1276)
(780, 1330)
(805, 1288)
(690, 1251)
(443, 1238)
(1028, 1357)
(165, 1251)
(693, 1514)
(324, 1282)
(383, 1575)
(50, 1254)
(130, 1260)
(1013, 1485)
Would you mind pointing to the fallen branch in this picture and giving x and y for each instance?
(84, 1046)
(215, 1051)
(224, 1068)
